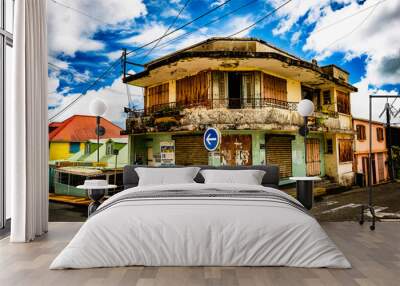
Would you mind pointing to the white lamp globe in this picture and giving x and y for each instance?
(98, 107)
(305, 107)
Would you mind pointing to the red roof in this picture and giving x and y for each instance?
(80, 128)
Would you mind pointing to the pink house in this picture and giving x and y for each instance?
(379, 151)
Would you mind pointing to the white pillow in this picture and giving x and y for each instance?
(166, 176)
(248, 177)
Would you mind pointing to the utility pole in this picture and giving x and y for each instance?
(389, 144)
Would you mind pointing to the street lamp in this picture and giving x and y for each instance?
(98, 108)
(304, 185)
(305, 109)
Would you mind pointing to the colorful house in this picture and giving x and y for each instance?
(69, 137)
(249, 90)
(379, 151)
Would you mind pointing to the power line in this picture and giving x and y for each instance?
(169, 28)
(347, 17)
(259, 20)
(352, 31)
(204, 25)
(79, 11)
(94, 83)
(180, 27)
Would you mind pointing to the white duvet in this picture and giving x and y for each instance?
(200, 231)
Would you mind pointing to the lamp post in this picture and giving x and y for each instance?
(304, 185)
(98, 108)
(305, 109)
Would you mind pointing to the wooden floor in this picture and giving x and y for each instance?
(375, 257)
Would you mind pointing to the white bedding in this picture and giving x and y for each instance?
(201, 231)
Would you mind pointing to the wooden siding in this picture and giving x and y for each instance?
(189, 150)
(156, 96)
(345, 150)
(313, 157)
(236, 150)
(192, 89)
(274, 87)
(279, 152)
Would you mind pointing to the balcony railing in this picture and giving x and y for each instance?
(230, 103)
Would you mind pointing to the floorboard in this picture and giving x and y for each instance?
(375, 256)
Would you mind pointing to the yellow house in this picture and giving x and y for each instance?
(68, 137)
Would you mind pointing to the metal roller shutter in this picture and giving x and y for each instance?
(189, 150)
(279, 152)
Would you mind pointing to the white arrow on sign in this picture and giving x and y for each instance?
(209, 139)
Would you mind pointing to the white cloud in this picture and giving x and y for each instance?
(71, 31)
(357, 29)
(150, 32)
(115, 97)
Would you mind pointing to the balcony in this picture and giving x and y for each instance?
(226, 114)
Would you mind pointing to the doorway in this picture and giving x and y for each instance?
(234, 89)
(313, 157)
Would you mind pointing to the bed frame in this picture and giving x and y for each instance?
(270, 179)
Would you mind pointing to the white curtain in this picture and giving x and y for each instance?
(26, 119)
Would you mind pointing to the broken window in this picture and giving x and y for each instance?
(326, 96)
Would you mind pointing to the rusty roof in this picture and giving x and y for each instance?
(81, 128)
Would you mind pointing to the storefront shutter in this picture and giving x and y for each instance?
(189, 150)
(279, 152)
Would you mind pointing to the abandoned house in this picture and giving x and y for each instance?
(249, 90)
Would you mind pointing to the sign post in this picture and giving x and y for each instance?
(211, 139)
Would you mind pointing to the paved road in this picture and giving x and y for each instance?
(340, 207)
(346, 206)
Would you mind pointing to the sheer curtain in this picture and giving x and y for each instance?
(26, 119)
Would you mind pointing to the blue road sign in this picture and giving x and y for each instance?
(211, 139)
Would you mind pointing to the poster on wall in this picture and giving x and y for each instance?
(167, 152)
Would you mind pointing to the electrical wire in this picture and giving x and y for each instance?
(180, 27)
(79, 11)
(202, 26)
(169, 28)
(94, 83)
(259, 20)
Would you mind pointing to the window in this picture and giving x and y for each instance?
(6, 44)
(193, 89)
(379, 134)
(329, 146)
(157, 97)
(345, 150)
(360, 132)
(74, 147)
(274, 88)
(326, 94)
(87, 148)
(343, 102)
(109, 149)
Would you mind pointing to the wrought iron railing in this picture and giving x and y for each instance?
(230, 103)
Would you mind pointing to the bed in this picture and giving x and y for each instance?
(201, 224)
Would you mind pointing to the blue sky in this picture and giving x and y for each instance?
(86, 36)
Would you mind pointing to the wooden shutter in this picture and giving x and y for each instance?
(192, 89)
(274, 88)
(345, 150)
(158, 97)
(189, 150)
(343, 102)
(279, 152)
(313, 157)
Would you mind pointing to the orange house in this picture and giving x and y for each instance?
(379, 151)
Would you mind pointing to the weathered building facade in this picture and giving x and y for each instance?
(379, 154)
(249, 90)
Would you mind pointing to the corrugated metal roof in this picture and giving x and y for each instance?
(81, 128)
